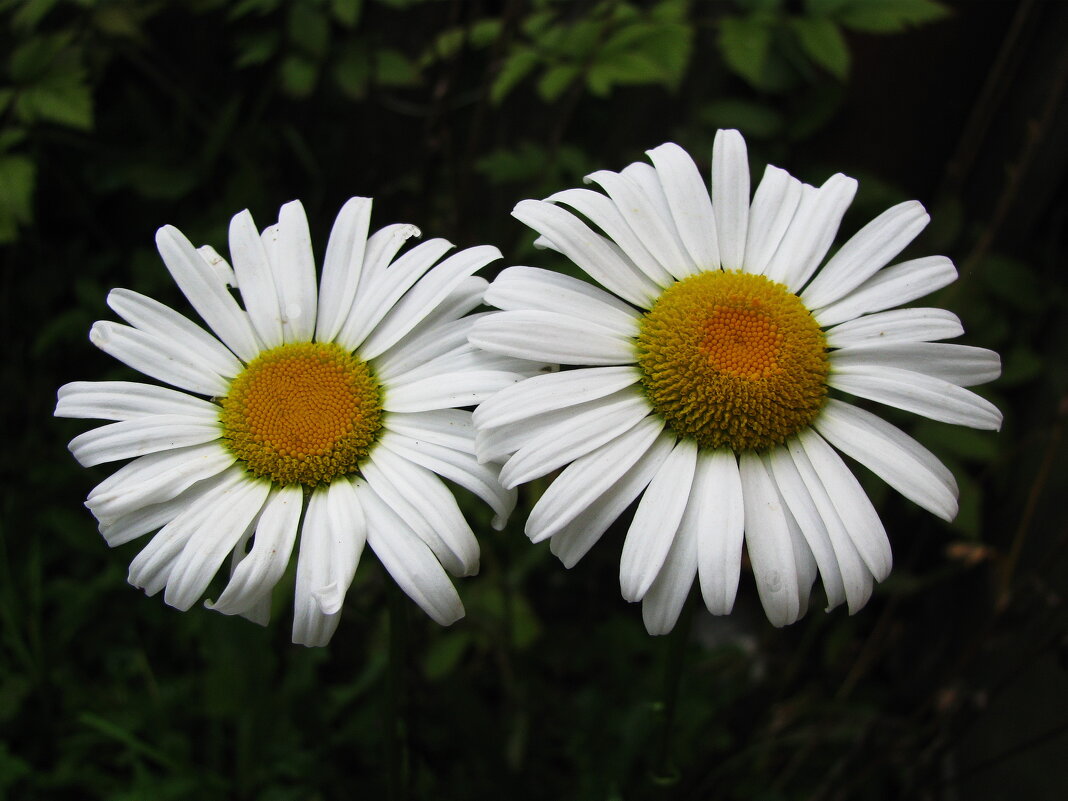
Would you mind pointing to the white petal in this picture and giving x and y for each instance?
(447, 390)
(804, 561)
(156, 478)
(252, 268)
(462, 468)
(421, 299)
(156, 358)
(588, 478)
(575, 437)
(651, 229)
(411, 563)
(125, 400)
(811, 231)
(259, 571)
(774, 205)
(204, 553)
(518, 288)
(690, 203)
(891, 454)
(199, 283)
(545, 393)
(417, 352)
(294, 274)
(590, 251)
(179, 332)
(918, 393)
(730, 196)
(719, 514)
(891, 286)
(578, 536)
(869, 250)
(656, 520)
(897, 325)
(141, 436)
(855, 510)
(449, 427)
(331, 541)
(342, 265)
(958, 364)
(382, 293)
(224, 273)
(543, 336)
(148, 518)
(769, 543)
(663, 602)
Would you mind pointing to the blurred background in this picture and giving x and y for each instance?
(118, 116)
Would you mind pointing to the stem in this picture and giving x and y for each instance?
(396, 722)
(665, 773)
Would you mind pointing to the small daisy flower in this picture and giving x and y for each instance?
(713, 372)
(328, 411)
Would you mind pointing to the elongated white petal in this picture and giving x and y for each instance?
(410, 562)
(254, 274)
(259, 571)
(958, 364)
(423, 298)
(543, 336)
(342, 266)
(204, 553)
(891, 454)
(811, 525)
(869, 250)
(588, 478)
(224, 273)
(804, 561)
(730, 196)
(774, 205)
(663, 602)
(449, 427)
(156, 478)
(890, 287)
(719, 514)
(646, 223)
(449, 390)
(148, 518)
(574, 437)
(578, 536)
(768, 541)
(156, 358)
(179, 332)
(589, 250)
(125, 400)
(811, 231)
(331, 541)
(518, 288)
(918, 393)
(690, 203)
(294, 274)
(199, 283)
(416, 355)
(896, 325)
(855, 510)
(462, 468)
(140, 436)
(656, 520)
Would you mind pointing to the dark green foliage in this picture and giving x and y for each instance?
(118, 116)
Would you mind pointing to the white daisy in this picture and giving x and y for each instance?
(337, 404)
(704, 377)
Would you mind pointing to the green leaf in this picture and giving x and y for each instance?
(889, 16)
(744, 43)
(255, 48)
(393, 68)
(555, 81)
(347, 12)
(62, 98)
(9, 137)
(31, 13)
(485, 32)
(822, 42)
(17, 178)
(352, 71)
(753, 119)
(298, 76)
(309, 29)
(445, 653)
(516, 67)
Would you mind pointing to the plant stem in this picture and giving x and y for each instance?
(396, 722)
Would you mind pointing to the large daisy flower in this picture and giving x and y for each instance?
(329, 411)
(714, 370)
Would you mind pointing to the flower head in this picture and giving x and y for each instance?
(327, 411)
(710, 365)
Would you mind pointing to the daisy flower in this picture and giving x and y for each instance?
(328, 411)
(713, 368)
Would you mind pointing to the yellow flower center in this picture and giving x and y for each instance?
(732, 360)
(302, 414)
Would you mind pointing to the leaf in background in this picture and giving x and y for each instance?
(17, 177)
(642, 53)
(51, 83)
(744, 43)
(352, 70)
(309, 29)
(517, 66)
(347, 12)
(555, 81)
(750, 117)
(31, 13)
(298, 76)
(887, 16)
(258, 7)
(255, 48)
(822, 42)
(393, 68)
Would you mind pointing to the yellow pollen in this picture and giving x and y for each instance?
(732, 360)
(302, 414)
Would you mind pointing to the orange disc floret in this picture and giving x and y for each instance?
(733, 360)
(303, 413)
